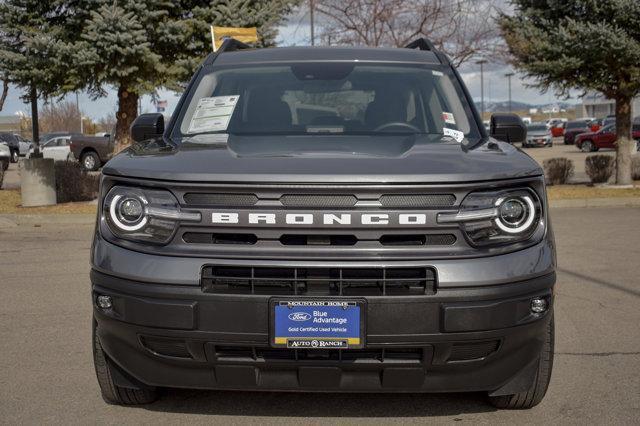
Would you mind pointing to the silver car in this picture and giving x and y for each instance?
(538, 134)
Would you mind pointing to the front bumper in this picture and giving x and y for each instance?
(478, 337)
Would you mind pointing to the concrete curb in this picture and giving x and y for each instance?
(595, 202)
(13, 220)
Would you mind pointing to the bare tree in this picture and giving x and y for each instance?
(61, 116)
(463, 29)
(107, 123)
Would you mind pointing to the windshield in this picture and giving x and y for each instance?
(335, 99)
(537, 128)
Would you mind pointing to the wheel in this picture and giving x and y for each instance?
(112, 393)
(90, 161)
(534, 395)
(587, 146)
(1, 175)
(550, 145)
(524, 145)
(15, 155)
(638, 145)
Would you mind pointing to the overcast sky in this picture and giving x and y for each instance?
(296, 31)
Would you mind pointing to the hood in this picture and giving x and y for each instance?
(323, 159)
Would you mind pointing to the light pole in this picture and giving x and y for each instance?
(481, 62)
(509, 75)
(313, 42)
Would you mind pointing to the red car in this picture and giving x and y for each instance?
(558, 130)
(604, 138)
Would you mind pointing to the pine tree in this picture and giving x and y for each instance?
(138, 46)
(31, 56)
(581, 44)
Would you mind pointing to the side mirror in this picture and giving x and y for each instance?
(508, 128)
(147, 126)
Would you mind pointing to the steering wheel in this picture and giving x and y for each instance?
(397, 124)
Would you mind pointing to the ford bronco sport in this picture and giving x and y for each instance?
(324, 219)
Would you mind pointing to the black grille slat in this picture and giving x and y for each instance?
(220, 200)
(418, 200)
(318, 281)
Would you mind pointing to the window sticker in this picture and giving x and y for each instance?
(455, 134)
(213, 114)
(437, 73)
(448, 118)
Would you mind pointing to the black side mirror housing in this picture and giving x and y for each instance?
(508, 128)
(147, 126)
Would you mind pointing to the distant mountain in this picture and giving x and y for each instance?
(502, 106)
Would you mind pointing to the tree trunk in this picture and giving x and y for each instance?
(35, 128)
(624, 143)
(127, 112)
(5, 90)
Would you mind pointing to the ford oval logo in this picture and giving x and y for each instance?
(299, 316)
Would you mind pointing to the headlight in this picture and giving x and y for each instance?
(146, 215)
(498, 217)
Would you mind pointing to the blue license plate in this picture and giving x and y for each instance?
(317, 324)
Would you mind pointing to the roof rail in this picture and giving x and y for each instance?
(231, 44)
(228, 45)
(426, 44)
(422, 44)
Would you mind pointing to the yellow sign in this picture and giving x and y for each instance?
(245, 35)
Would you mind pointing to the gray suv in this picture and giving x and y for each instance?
(324, 219)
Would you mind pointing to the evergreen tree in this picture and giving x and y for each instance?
(31, 56)
(581, 44)
(138, 46)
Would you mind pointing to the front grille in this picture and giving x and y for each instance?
(220, 200)
(239, 353)
(320, 201)
(318, 281)
(413, 200)
(473, 351)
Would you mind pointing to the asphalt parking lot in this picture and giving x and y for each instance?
(47, 377)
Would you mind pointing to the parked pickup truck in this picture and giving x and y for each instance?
(92, 151)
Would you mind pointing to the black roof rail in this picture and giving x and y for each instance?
(424, 43)
(228, 45)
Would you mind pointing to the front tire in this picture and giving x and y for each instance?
(535, 394)
(15, 155)
(111, 393)
(90, 161)
(587, 146)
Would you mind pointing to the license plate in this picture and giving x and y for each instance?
(317, 324)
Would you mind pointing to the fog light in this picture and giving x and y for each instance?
(538, 305)
(103, 302)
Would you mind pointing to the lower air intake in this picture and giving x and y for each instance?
(318, 281)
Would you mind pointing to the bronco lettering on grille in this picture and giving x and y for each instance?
(337, 219)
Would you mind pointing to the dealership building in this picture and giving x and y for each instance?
(596, 105)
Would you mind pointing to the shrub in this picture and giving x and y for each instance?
(73, 183)
(558, 170)
(599, 168)
(635, 167)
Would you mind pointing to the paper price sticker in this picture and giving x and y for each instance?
(213, 114)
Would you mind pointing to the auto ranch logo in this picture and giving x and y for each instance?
(317, 344)
(326, 219)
